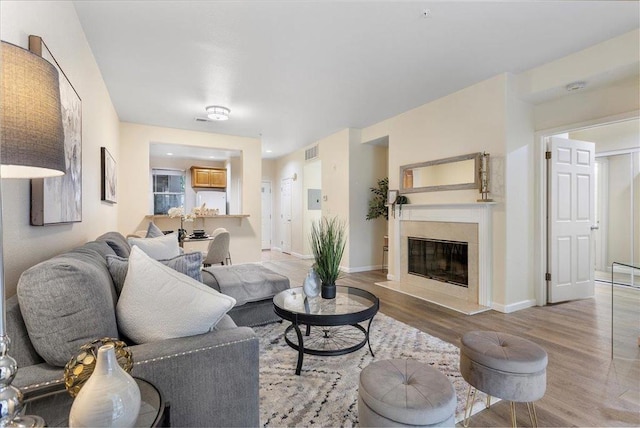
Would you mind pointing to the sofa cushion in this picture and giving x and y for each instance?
(67, 301)
(153, 231)
(117, 242)
(21, 348)
(188, 264)
(245, 283)
(159, 303)
(161, 248)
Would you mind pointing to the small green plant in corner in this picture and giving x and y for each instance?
(378, 203)
(328, 239)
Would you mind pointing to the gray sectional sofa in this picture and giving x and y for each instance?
(209, 379)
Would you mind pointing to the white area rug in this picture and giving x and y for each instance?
(326, 392)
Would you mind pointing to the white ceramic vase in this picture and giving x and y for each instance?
(109, 398)
(311, 285)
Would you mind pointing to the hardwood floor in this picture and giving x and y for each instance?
(585, 386)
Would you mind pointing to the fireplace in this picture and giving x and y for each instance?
(440, 260)
(461, 230)
(440, 257)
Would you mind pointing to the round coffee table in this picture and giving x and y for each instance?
(331, 324)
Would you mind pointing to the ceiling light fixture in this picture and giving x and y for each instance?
(218, 112)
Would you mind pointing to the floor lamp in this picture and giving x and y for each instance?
(32, 145)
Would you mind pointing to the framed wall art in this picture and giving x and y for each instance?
(108, 173)
(59, 199)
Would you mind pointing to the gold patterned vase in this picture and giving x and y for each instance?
(80, 366)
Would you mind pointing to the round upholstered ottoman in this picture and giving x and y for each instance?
(505, 366)
(405, 393)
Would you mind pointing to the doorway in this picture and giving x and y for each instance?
(617, 139)
(617, 216)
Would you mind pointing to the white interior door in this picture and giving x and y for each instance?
(571, 217)
(285, 216)
(266, 215)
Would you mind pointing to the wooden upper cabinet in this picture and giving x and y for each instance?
(208, 177)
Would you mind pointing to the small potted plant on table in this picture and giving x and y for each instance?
(328, 240)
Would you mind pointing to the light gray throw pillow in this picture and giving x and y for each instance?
(158, 303)
(161, 248)
(188, 264)
(153, 231)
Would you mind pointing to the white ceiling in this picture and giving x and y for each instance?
(293, 72)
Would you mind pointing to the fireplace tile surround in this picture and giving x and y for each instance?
(466, 222)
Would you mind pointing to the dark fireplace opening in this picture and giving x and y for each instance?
(445, 261)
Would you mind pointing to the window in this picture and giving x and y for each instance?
(168, 189)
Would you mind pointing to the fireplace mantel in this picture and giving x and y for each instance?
(479, 213)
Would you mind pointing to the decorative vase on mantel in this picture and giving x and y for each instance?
(110, 398)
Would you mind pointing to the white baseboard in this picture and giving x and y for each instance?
(360, 269)
(507, 309)
(276, 249)
(302, 256)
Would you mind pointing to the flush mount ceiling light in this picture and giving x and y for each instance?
(218, 112)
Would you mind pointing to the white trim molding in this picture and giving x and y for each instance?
(513, 307)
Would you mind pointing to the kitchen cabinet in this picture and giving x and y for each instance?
(203, 177)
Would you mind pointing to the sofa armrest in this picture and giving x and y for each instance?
(210, 379)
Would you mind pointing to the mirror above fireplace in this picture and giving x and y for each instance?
(454, 173)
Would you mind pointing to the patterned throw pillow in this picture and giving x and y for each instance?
(188, 264)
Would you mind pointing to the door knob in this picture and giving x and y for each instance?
(595, 227)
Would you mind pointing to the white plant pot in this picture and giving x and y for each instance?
(110, 397)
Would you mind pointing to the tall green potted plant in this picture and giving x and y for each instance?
(327, 241)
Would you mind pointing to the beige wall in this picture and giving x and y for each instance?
(334, 154)
(134, 171)
(519, 201)
(25, 245)
(269, 174)
(269, 170)
(235, 185)
(588, 105)
(312, 179)
(470, 120)
(344, 171)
